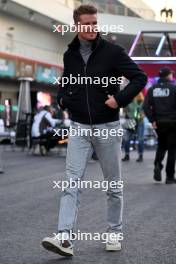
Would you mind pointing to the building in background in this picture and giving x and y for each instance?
(30, 48)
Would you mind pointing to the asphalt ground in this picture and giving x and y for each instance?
(29, 212)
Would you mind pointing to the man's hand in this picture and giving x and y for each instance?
(111, 102)
(61, 101)
(154, 125)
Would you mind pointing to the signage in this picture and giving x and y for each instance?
(46, 74)
(7, 68)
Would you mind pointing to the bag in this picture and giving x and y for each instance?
(129, 124)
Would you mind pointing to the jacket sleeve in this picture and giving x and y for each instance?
(62, 88)
(137, 78)
(148, 106)
(53, 122)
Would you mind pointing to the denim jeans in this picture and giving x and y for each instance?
(79, 151)
(140, 137)
(130, 134)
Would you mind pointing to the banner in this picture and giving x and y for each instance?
(46, 74)
(25, 69)
(7, 68)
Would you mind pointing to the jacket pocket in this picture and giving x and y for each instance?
(113, 124)
(72, 90)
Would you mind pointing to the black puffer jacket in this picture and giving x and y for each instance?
(86, 103)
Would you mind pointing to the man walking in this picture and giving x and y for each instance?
(94, 106)
(160, 108)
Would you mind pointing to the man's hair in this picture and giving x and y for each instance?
(82, 10)
(46, 108)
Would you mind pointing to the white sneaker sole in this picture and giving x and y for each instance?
(52, 245)
(113, 247)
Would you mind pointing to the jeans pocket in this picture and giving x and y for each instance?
(113, 124)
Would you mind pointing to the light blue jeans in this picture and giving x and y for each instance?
(79, 151)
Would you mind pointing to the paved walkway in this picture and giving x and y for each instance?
(29, 208)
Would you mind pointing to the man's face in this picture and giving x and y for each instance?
(170, 77)
(87, 33)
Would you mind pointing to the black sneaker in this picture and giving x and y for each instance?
(157, 173)
(170, 181)
(63, 248)
(140, 158)
(126, 158)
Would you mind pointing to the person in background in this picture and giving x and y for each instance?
(140, 125)
(2, 130)
(42, 126)
(135, 119)
(160, 109)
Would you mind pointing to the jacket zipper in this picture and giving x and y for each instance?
(87, 96)
(87, 93)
